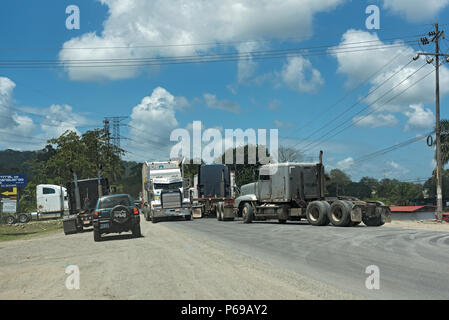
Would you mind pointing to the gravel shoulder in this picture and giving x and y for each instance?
(163, 264)
(431, 225)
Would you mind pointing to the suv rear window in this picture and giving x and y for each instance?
(111, 202)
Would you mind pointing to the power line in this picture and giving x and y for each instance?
(396, 146)
(194, 60)
(179, 45)
(358, 102)
(310, 145)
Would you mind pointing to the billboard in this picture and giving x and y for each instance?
(13, 180)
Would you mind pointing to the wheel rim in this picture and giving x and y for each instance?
(245, 212)
(314, 214)
(337, 214)
(23, 219)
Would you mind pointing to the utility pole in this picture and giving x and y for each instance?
(437, 34)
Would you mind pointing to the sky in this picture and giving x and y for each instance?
(330, 95)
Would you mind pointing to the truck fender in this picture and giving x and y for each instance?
(245, 198)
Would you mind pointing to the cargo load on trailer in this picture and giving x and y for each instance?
(213, 192)
(82, 199)
(295, 191)
(163, 191)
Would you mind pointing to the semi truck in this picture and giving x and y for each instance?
(213, 192)
(163, 191)
(295, 191)
(82, 199)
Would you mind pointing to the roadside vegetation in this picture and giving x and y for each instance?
(29, 230)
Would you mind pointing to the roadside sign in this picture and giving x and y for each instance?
(10, 193)
(9, 206)
(13, 180)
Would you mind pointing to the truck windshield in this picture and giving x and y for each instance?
(168, 186)
(111, 202)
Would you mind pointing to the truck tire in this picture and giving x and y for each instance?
(340, 213)
(248, 213)
(375, 221)
(318, 213)
(219, 212)
(97, 235)
(10, 220)
(24, 218)
(146, 214)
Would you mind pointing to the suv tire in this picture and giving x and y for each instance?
(97, 235)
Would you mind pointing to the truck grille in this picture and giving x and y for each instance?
(171, 200)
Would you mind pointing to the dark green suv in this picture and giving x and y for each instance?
(116, 214)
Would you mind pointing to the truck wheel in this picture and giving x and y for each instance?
(373, 221)
(146, 214)
(340, 214)
(136, 231)
(24, 218)
(248, 213)
(318, 213)
(97, 235)
(218, 212)
(10, 220)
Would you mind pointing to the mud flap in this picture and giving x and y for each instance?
(356, 214)
(386, 215)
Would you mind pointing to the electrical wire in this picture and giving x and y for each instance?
(312, 144)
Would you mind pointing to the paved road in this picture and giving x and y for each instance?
(207, 259)
(413, 264)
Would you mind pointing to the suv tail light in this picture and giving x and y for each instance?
(95, 214)
(135, 211)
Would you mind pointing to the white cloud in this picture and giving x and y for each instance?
(419, 118)
(152, 121)
(345, 164)
(139, 22)
(389, 81)
(299, 75)
(211, 101)
(375, 121)
(281, 124)
(13, 126)
(416, 10)
(60, 118)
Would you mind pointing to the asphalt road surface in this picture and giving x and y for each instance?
(207, 259)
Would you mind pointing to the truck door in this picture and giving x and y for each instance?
(264, 187)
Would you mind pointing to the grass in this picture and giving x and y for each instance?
(29, 230)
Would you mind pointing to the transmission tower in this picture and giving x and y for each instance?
(116, 124)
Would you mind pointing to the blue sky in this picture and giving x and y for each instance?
(296, 94)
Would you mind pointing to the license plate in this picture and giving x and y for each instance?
(104, 225)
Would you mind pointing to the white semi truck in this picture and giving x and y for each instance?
(163, 191)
